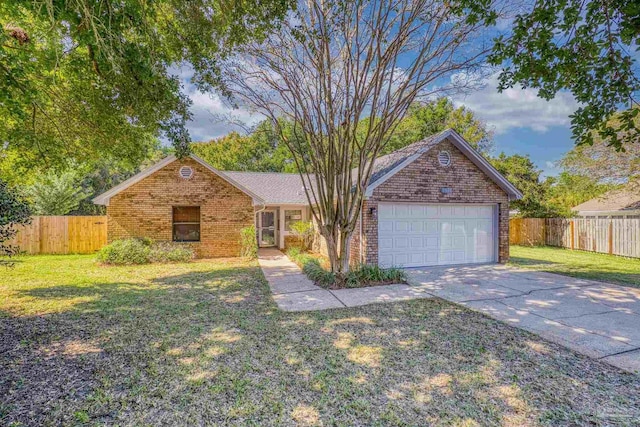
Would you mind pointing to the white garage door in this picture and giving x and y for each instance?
(415, 235)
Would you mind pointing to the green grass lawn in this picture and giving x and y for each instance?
(203, 343)
(581, 264)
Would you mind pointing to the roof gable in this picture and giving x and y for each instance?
(103, 199)
(387, 166)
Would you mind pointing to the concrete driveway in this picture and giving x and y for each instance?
(594, 318)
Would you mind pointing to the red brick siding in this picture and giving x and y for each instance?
(422, 180)
(145, 209)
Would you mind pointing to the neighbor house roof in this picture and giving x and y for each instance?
(272, 187)
(624, 199)
(386, 166)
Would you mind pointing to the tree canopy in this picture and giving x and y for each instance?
(94, 78)
(587, 47)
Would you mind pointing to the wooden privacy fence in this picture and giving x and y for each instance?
(62, 235)
(615, 236)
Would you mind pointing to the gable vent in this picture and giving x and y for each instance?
(444, 158)
(186, 172)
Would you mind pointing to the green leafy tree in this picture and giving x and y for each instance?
(524, 174)
(81, 78)
(56, 194)
(425, 119)
(261, 151)
(569, 190)
(587, 47)
(14, 211)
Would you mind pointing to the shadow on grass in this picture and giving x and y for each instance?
(211, 348)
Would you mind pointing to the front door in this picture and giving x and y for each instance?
(267, 228)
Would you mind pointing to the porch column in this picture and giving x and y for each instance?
(281, 228)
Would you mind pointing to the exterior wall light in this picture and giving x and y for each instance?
(373, 212)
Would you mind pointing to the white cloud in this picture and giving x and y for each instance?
(518, 108)
(212, 117)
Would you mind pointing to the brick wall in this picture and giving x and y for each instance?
(421, 182)
(145, 209)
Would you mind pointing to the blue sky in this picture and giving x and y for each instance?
(522, 122)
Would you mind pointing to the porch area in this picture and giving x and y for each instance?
(273, 224)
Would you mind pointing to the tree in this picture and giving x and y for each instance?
(14, 211)
(584, 46)
(93, 78)
(569, 190)
(603, 164)
(428, 118)
(261, 151)
(56, 194)
(333, 64)
(524, 174)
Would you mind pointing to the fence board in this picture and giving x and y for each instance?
(616, 236)
(62, 235)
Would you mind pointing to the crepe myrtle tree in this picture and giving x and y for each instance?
(345, 73)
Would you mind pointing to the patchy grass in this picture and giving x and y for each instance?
(581, 264)
(203, 343)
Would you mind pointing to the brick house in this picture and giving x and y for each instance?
(434, 202)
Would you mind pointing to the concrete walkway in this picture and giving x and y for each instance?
(597, 319)
(293, 291)
(593, 318)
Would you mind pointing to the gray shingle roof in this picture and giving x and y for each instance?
(272, 187)
(383, 164)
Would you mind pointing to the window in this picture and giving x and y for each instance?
(290, 217)
(186, 223)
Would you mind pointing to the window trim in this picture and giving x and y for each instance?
(174, 223)
(286, 229)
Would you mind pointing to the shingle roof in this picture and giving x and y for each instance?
(383, 164)
(272, 187)
(615, 200)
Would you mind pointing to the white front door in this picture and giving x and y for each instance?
(267, 228)
(416, 235)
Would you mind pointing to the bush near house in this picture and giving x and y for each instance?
(248, 242)
(143, 251)
(359, 276)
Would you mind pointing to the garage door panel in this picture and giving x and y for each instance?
(429, 234)
(432, 228)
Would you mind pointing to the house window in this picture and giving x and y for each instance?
(186, 223)
(290, 217)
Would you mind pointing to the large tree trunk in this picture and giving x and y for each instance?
(338, 251)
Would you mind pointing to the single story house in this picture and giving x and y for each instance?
(620, 203)
(434, 202)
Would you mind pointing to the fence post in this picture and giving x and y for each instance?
(571, 231)
(610, 237)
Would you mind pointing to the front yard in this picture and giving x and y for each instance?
(203, 343)
(580, 264)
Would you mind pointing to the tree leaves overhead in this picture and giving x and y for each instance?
(586, 47)
(82, 78)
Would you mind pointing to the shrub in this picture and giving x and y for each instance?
(126, 251)
(317, 274)
(358, 276)
(248, 242)
(170, 252)
(304, 231)
(144, 251)
(366, 274)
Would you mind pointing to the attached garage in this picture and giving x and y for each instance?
(435, 202)
(416, 234)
